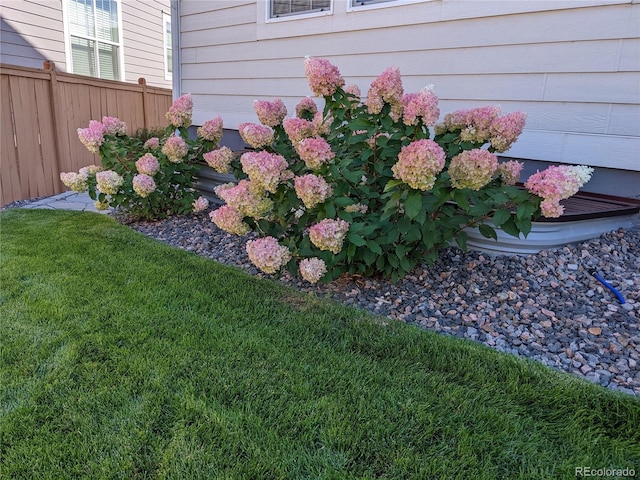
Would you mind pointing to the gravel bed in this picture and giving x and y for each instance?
(544, 306)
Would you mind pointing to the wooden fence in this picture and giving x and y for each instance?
(41, 111)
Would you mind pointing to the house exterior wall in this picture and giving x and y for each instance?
(32, 31)
(572, 66)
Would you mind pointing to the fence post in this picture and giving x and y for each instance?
(145, 101)
(50, 67)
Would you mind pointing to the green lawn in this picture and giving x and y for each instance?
(122, 357)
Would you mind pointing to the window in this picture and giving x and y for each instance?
(359, 3)
(168, 52)
(95, 38)
(282, 8)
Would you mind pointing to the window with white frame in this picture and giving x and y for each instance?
(283, 8)
(168, 52)
(360, 3)
(95, 37)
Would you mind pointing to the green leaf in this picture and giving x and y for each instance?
(500, 217)
(487, 231)
(461, 240)
(392, 184)
(374, 247)
(356, 239)
(461, 199)
(360, 124)
(510, 228)
(413, 204)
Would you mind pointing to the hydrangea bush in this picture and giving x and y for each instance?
(146, 177)
(377, 186)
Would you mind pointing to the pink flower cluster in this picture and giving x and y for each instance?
(312, 189)
(297, 129)
(422, 105)
(220, 159)
(312, 269)
(321, 125)
(419, 163)
(266, 254)
(109, 182)
(264, 169)
(175, 148)
(75, 181)
(179, 114)
(472, 169)
(387, 88)
(230, 220)
(114, 126)
(510, 171)
(148, 164)
(329, 234)
(256, 135)
(474, 124)
(270, 114)
(246, 198)
(92, 136)
(90, 170)
(200, 204)
(557, 183)
(211, 130)
(152, 143)
(324, 78)
(354, 90)
(144, 185)
(315, 152)
(356, 207)
(306, 106)
(504, 130)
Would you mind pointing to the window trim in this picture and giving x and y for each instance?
(119, 43)
(166, 18)
(295, 16)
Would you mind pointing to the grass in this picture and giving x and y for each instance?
(122, 357)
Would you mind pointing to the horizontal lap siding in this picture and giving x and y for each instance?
(573, 70)
(143, 41)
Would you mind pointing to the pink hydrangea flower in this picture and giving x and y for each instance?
(200, 204)
(264, 169)
(474, 125)
(230, 220)
(329, 234)
(144, 185)
(312, 269)
(387, 88)
(152, 143)
(92, 136)
(272, 113)
(306, 106)
(220, 159)
(148, 164)
(179, 114)
(255, 135)
(422, 105)
(312, 189)
(315, 152)
(510, 171)
(324, 78)
(504, 130)
(175, 148)
(419, 163)
(114, 126)
(266, 254)
(551, 208)
(211, 130)
(246, 197)
(354, 90)
(321, 125)
(297, 129)
(356, 207)
(472, 169)
(75, 181)
(557, 183)
(109, 182)
(90, 170)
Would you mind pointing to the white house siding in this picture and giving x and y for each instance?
(33, 31)
(143, 40)
(573, 66)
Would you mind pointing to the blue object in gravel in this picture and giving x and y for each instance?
(608, 285)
